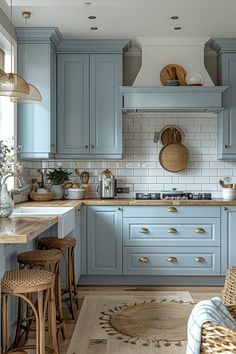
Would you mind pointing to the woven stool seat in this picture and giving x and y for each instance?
(34, 290)
(55, 242)
(22, 281)
(39, 257)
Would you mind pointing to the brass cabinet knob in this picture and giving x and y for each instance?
(172, 230)
(172, 259)
(200, 260)
(92, 146)
(225, 208)
(172, 209)
(144, 259)
(119, 209)
(200, 230)
(144, 230)
(86, 146)
(226, 146)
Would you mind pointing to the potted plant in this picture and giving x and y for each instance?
(56, 178)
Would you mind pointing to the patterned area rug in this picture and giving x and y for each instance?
(102, 327)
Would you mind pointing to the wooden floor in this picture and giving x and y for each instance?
(197, 293)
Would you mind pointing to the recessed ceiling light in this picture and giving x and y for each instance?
(174, 17)
(93, 28)
(92, 17)
(177, 28)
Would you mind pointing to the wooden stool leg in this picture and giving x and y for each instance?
(59, 299)
(52, 321)
(4, 326)
(70, 285)
(40, 324)
(73, 277)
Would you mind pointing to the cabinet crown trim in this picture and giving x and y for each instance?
(39, 35)
(93, 46)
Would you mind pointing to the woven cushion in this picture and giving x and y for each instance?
(24, 281)
(39, 257)
(55, 242)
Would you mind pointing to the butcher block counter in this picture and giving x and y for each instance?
(24, 230)
(128, 201)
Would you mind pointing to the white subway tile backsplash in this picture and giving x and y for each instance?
(140, 169)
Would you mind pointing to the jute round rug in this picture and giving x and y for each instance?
(150, 322)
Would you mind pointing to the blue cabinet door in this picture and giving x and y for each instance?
(228, 244)
(89, 109)
(227, 118)
(104, 240)
(226, 57)
(105, 104)
(36, 122)
(72, 104)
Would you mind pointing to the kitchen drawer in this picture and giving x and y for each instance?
(171, 232)
(171, 261)
(171, 211)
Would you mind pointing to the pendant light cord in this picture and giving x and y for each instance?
(11, 38)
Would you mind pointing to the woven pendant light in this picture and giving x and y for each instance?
(33, 95)
(10, 83)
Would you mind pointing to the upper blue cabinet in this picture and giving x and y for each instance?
(36, 123)
(89, 104)
(226, 55)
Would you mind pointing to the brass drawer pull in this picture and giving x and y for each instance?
(172, 209)
(172, 259)
(144, 259)
(200, 230)
(200, 260)
(144, 230)
(172, 230)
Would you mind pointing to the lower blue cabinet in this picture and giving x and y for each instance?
(104, 240)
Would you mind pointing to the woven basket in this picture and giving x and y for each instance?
(41, 196)
(229, 291)
(217, 339)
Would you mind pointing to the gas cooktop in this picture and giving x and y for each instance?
(168, 195)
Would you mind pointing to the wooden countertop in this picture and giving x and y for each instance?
(128, 201)
(23, 230)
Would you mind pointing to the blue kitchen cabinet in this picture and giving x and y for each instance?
(104, 240)
(89, 107)
(226, 57)
(36, 122)
(228, 227)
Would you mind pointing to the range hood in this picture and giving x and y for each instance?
(147, 94)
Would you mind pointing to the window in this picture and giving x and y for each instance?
(7, 108)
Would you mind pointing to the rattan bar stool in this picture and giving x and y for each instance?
(67, 246)
(40, 283)
(44, 260)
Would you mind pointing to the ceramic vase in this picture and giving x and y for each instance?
(6, 203)
(58, 191)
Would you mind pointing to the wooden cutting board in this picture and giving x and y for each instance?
(174, 157)
(173, 72)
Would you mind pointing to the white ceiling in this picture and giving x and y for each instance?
(129, 18)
